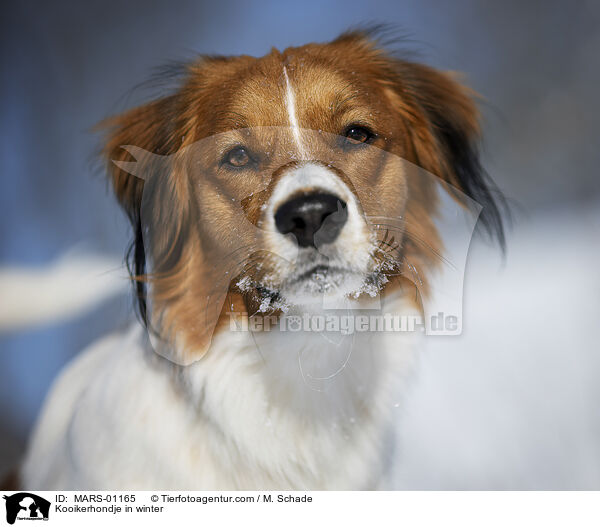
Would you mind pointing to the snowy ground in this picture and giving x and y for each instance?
(514, 402)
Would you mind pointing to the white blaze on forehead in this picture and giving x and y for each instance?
(290, 104)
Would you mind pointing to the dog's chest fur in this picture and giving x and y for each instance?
(260, 411)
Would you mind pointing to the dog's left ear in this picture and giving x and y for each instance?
(444, 121)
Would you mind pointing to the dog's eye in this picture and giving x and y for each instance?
(238, 157)
(359, 134)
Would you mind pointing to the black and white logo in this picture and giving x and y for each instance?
(26, 506)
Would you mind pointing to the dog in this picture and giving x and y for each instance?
(256, 191)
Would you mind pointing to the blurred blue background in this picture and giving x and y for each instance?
(67, 65)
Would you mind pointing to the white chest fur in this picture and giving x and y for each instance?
(260, 411)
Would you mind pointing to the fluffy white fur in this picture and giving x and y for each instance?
(298, 413)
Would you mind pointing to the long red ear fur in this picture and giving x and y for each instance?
(157, 202)
(442, 124)
(448, 137)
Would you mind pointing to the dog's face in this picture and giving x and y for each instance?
(279, 171)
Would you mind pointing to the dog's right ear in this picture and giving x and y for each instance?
(150, 128)
(137, 143)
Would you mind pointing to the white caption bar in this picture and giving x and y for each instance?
(302, 508)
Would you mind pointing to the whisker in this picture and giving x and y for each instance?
(253, 245)
(416, 238)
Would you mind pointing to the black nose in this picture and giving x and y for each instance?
(314, 219)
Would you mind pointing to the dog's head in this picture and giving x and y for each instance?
(276, 181)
